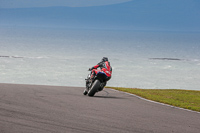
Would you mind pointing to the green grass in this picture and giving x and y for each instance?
(188, 99)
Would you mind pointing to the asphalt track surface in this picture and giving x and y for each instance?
(53, 109)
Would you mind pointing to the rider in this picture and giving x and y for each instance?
(104, 67)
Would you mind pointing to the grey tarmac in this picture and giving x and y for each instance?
(60, 109)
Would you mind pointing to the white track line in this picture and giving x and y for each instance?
(155, 101)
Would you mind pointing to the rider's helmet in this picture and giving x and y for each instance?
(104, 59)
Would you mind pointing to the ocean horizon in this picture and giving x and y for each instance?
(61, 56)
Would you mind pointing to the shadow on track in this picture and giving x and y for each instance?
(107, 95)
(111, 97)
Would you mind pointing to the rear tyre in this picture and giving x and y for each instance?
(94, 88)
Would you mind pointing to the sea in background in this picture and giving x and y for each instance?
(62, 56)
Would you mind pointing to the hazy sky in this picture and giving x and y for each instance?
(183, 15)
(48, 3)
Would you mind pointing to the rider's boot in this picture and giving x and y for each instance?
(102, 86)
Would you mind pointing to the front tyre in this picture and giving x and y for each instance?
(85, 92)
(94, 88)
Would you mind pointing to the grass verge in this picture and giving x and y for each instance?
(188, 99)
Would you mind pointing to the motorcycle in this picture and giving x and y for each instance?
(96, 84)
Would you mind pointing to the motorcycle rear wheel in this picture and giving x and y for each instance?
(94, 88)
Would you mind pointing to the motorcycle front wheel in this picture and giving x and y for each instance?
(94, 88)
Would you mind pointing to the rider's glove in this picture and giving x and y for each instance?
(90, 69)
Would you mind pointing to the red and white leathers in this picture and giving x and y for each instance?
(105, 67)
